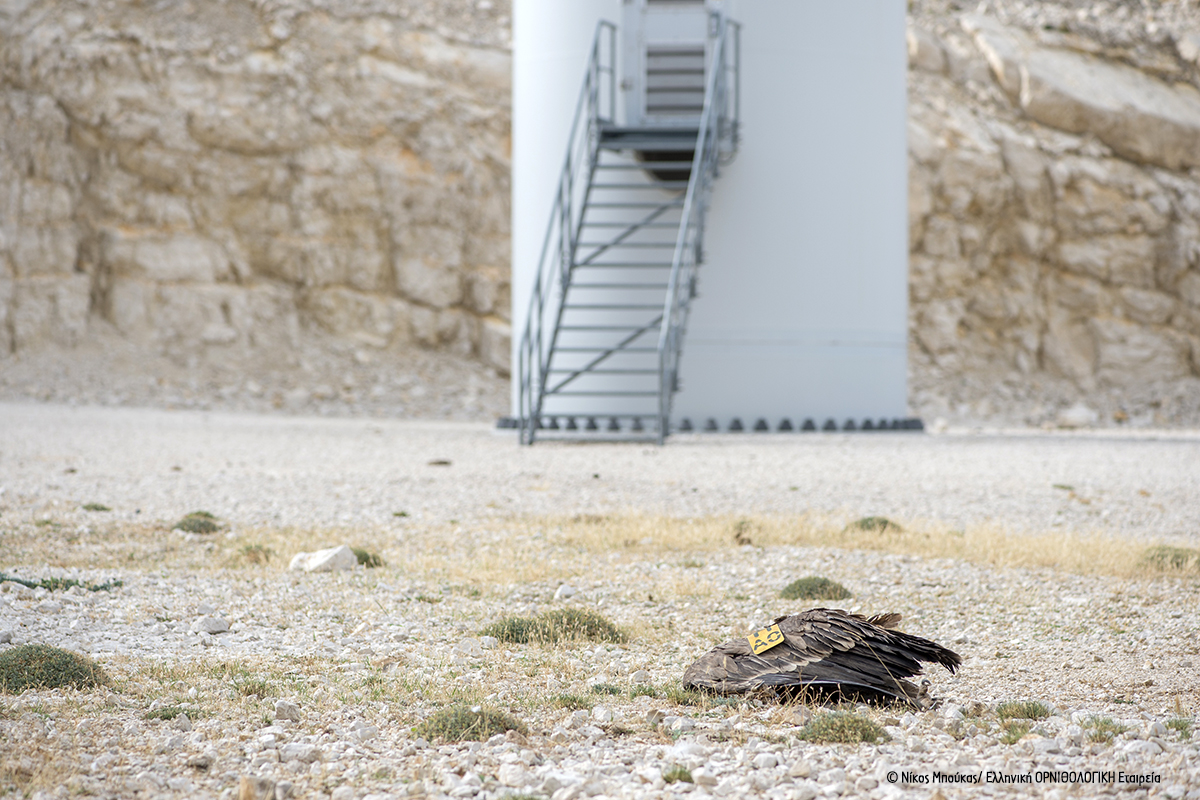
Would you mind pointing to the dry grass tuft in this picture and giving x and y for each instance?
(1014, 730)
(255, 554)
(1023, 709)
(171, 712)
(842, 727)
(1102, 730)
(815, 588)
(462, 723)
(559, 625)
(989, 544)
(40, 666)
(502, 552)
(1170, 559)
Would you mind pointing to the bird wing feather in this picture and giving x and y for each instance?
(822, 646)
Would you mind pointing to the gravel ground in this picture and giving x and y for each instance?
(319, 679)
(277, 470)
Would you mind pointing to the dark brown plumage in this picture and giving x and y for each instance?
(826, 654)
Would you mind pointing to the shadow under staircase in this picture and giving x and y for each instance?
(599, 356)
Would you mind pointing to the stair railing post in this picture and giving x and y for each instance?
(558, 247)
(691, 224)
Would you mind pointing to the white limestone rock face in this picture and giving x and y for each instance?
(333, 559)
(1053, 207)
(1139, 116)
(223, 149)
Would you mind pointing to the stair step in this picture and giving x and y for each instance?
(625, 244)
(580, 393)
(656, 286)
(630, 265)
(605, 350)
(566, 371)
(672, 204)
(641, 165)
(651, 225)
(615, 306)
(607, 327)
(660, 185)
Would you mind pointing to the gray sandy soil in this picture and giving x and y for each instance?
(254, 469)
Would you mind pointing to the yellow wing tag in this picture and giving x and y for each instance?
(765, 639)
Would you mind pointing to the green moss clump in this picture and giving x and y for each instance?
(1023, 709)
(95, 507)
(564, 624)
(878, 524)
(815, 588)
(40, 666)
(841, 727)
(605, 688)
(1165, 557)
(462, 723)
(198, 522)
(677, 774)
(366, 558)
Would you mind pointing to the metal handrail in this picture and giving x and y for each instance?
(562, 234)
(716, 144)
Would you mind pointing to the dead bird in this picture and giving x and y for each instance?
(824, 654)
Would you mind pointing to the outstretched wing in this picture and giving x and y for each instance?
(823, 648)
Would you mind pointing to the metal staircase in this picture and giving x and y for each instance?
(599, 357)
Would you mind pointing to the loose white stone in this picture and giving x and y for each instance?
(488, 642)
(470, 647)
(287, 710)
(6, 637)
(334, 559)
(1142, 747)
(765, 761)
(804, 790)
(512, 775)
(603, 714)
(210, 625)
(640, 676)
(362, 731)
(342, 793)
(565, 591)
